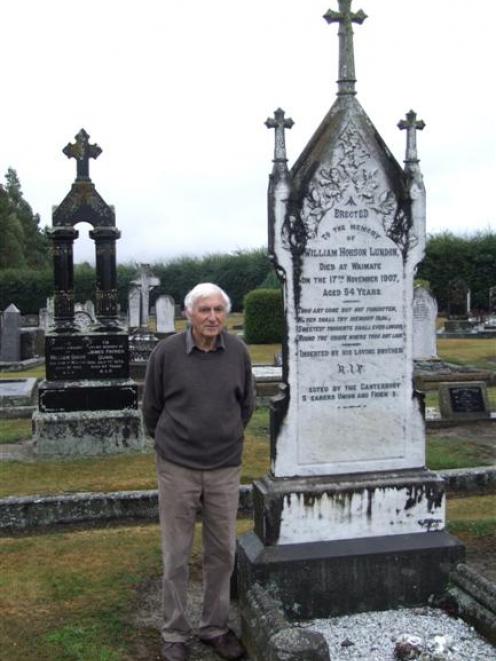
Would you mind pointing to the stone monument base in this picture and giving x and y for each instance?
(457, 326)
(87, 433)
(326, 579)
(332, 545)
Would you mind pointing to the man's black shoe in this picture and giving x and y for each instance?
(226, 645)
(174, 651)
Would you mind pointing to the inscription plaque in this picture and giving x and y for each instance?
(92, 356)
(58, 397)
(467, 400)
(461, 400)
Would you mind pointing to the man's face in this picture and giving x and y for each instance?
(208, 317)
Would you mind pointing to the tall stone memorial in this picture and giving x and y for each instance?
(87, 404)
(348, 519)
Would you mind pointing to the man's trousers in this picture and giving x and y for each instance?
(182, 491)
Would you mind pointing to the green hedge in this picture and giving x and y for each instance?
(263, 316)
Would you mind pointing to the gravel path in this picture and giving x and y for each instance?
(374, 636)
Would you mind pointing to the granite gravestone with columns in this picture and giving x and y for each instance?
(348, 519)
(87, 404)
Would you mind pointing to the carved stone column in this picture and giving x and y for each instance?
(63, 269)
(106, 272)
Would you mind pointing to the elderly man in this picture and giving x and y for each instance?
(198, 398)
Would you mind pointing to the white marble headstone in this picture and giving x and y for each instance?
(424, 324)
(134, 307)
(165, 310)
(347, 246)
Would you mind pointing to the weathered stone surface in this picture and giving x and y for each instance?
(145, 282)
(87, 433)
(165, 313)
(134, 307)
(323, 579)
(299, 510)
(27, 512)
(32, 343)
(10, 336)
(424, 325)
(269, 636)
(475, 598)
(17, 392)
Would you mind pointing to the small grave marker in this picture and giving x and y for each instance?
(462, 400)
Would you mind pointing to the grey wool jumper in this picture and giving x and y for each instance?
(197, 403)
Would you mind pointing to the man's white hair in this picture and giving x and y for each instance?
(203, 290)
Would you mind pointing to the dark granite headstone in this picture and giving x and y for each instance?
(87, 353)
(492, 301)
(90, 356)
(462, 400)
(458, 299)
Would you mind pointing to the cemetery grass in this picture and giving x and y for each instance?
(454, 447)
(14, 430)
(132, 472)
(478, 353)
(68, 595)
(35, 372)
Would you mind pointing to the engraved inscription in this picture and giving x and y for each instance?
(87, 357)
(467, 399)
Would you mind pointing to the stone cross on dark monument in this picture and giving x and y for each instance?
(345, 17)
(279, 123)
(82, 151)
(87, 404)
(411, 125)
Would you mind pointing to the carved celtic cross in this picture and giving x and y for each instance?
(279, 123)
(411, 125)
(345, 17)
(82, 151)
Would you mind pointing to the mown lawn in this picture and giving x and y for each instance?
(479, 353)
(445, 449)
(116, 472)
(73, 595)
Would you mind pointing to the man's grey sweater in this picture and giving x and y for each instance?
(197, 403)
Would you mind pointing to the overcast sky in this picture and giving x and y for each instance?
(176, 93)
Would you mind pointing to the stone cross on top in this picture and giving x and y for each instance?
(411, 125)
(82, 151)
(345, 17)
(279, 123)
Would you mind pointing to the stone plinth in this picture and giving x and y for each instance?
(349, 543)
(87, 433)
(325, 579)
(458, 326)
(327, 508)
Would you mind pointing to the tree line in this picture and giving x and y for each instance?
(23, 244)
(26, 277)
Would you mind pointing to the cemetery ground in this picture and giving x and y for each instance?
(90, 593)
